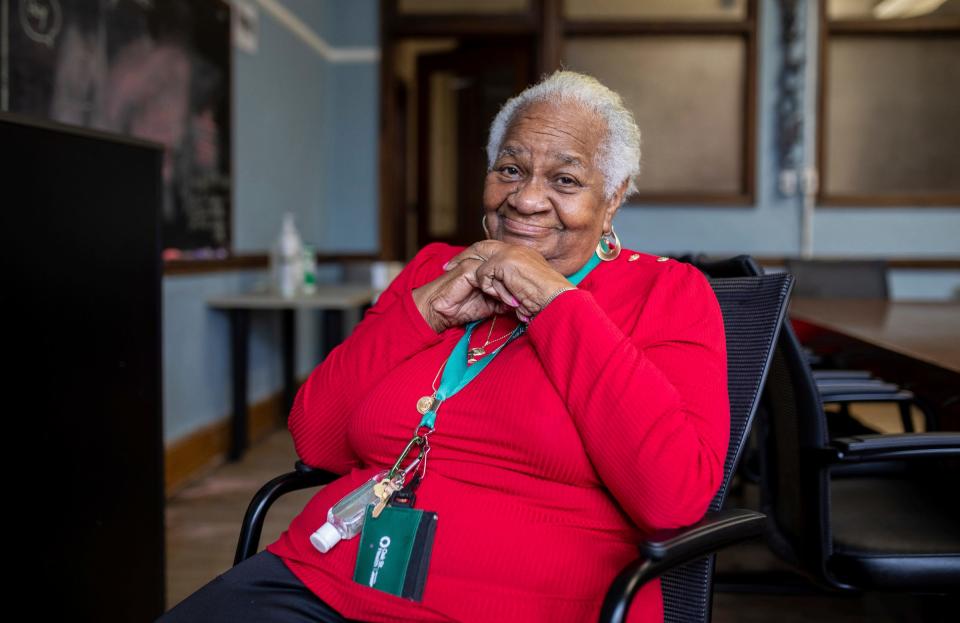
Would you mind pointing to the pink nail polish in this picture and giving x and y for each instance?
(514, 302)
(445, 266)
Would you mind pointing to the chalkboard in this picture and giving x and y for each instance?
(152, 69)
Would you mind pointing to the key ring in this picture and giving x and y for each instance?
(418, 441)
(413, 466)
(423, 455)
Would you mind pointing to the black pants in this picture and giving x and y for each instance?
(260, 589)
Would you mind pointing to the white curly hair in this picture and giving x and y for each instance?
(618, 157)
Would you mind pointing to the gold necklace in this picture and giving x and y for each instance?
(426, 402)
(475, 353)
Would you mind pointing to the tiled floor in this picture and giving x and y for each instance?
(203, 522)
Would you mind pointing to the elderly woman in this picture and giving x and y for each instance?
(600, 414)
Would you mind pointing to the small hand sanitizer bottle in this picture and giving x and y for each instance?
(345, 518)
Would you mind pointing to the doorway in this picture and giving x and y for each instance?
(440, 95)
(459, 93)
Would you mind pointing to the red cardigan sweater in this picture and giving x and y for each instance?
(606, 420)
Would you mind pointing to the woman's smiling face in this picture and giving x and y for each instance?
(545, 189)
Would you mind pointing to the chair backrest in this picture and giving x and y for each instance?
(753, 310)
(840, 279)
(790, 421)
(794, 491)
(793, 494)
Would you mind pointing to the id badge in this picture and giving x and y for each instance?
(395, 549)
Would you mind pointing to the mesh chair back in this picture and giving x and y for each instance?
(739, 266)
(840, 279)
(753, 310)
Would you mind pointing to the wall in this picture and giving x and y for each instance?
(306, 132)
(305, 109)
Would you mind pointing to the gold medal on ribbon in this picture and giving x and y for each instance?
(425, 404)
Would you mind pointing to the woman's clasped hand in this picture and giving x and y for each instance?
(489, 277)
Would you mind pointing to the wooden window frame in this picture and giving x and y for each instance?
(546, 23)
(912, 28)
(746, 29)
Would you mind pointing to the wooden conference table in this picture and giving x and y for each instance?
(335, 301)
(914, 344)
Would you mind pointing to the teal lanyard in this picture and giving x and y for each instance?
(456, 373)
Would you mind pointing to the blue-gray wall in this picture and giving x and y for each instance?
(306, 142)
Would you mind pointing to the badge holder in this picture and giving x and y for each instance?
(395, 547)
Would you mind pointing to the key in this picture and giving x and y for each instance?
(386, 489)
(379, 488)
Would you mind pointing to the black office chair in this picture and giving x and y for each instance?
(897, 532)
(753, 310)
(839, 279)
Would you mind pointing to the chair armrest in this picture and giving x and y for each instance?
(303, 477)
(667, 549)
(713, 532)
(894, 447)
(849, 386)
(841, 374)
(878, 392)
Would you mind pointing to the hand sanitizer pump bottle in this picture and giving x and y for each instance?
(289, 259)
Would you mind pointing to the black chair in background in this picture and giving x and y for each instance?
(753, 310)
(889, 524)
(875, 532)
(839, 279)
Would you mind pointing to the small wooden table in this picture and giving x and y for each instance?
(332, 300)
(916, 344)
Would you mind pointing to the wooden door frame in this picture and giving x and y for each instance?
(541, 23)
(470, 58)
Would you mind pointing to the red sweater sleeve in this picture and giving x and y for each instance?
(651, 407)
(391, 331)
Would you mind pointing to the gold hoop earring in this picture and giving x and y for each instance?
(608, 250)
(486, 231)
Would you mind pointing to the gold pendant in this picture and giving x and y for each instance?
(425, 404)
(475, 353)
